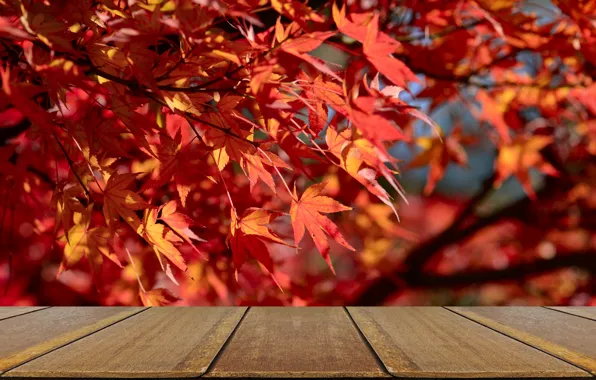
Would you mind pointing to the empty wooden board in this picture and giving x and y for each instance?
(13, 311)
(425, 342)
(581, 311)
(30, 335)
(563, 335)
(296, 342)
(159, 342)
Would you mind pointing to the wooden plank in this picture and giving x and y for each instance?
(12, 311)
(296, 342)
(581, 311)
(160, 343)
(34, 334)
(432, 342)
(563, 335)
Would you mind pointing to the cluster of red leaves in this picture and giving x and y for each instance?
(179, 139)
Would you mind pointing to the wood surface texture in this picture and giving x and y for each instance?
(297, 342)
(9, 312)
(563, 335)
(28, 336)
(159, 343)
(581, 311)
(434, 342)
(285, 342)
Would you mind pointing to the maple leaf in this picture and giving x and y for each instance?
(391, 101)
(124, 106)
(91, 243)
(492, 112)
(378, 52)
(438, 153)
(161, 240)
(317, 117)
(261, 74)
(329, 93)
(180, 224)
(248, 235)
(121, 202)
(296, 150)
(238, 148)
(377, 46)
(185, 103)
(519, 157)
(300, 46)
(157, 297)
(66, 205)
(228, 143)
(307, 213)
(172, 162)
(354, 152)
(374, 126)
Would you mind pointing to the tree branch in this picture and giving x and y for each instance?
(72, 167)
(381, 288)
(421, 254)
(583, 259)
(386, 286)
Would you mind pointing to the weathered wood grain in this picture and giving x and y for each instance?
(428, 342)
(296, 342)
(13, 311)
(563, 335)
(159, 343)
(31, 335)
(581, 311)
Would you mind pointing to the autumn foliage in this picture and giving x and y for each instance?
(244, 152)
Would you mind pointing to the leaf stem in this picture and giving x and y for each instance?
(132, 262)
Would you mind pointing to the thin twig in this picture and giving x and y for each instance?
(71, 164)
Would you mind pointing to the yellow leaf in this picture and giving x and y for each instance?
(181, 102)
(85, 242)
(159, 236)
(229, 56)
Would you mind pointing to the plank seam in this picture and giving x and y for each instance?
(25, 313)
(2, 374)
(567, 313)
(224, 346)
(521, 341)
(371, 349)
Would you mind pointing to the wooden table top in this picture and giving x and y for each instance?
(276, 342)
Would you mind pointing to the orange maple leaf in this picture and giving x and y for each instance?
(180, 224)
(354, 151)
(492, 112)
(306, 212)
(438, 153)
(172, 163)
(120, 202)
(161, 238)
(248, 235)
(91, 243)
(252, 162)
(519, 157)
(157, 297)
(378, 53)
(377, 46)
(66, 205)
